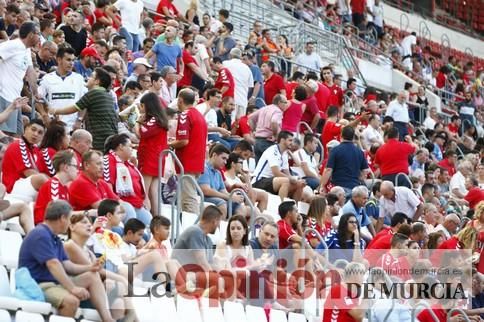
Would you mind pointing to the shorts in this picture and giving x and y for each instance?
(23, 190)
(13, 124)
(54, 293)
(266, 184)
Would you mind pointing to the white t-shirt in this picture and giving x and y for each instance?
(458, 181)
(370, 134)
(130, 14)
(399, 112)
(407, 43)
(242, 78)
(312, 61)
(378, 12)
(60, 92)
(200, 56)
(303, 157)
(370, 4)
(429, 123)
(270, 158)
(15, 59)
(210, 115)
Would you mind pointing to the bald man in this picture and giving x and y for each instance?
(46, 57)
(449, 226)
(81, 142)
(398, 199)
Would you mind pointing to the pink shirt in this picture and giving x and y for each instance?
(263, 119)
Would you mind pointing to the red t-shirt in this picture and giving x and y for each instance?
(187, 58)
(169, 5)
(242, 126)
(44, 161)
(110, 163)
(290, 88)
(336, 95)
(78, 157)
(440, 80)
(338, 305)
(331, 131)
(446, 165)
(98, 13)
(192, 127)
(385, 232)
(392, 157)
(83, 192)
(225, 78)
(438, 310)
(323, 231)
(322, 97)
(374, 249)
(310, 112)
(19, 157)
(273, 86)
(358, 6)
(285, 232)
(474, 196)
(153, 140)
(53, 189)
(454, 129)
(398, 267)
(292, 116)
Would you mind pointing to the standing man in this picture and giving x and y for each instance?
(273, 82)
(398, 110)
(63, 87)
(309, 60)
(102, 120)
(74, 31)
(190, 146)
(336, 93)
(256, 92)
(131, 13)
(15, 64)
(224, 43)
(243, 81)
(167, 52)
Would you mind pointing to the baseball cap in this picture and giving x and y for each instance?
(90, 51)
(142, 61)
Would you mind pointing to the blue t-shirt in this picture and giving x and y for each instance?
(40, 246)
(360, 213)
(335, 250)
(80, 69)
(211, 177)
(166, 55)
(347, 161)
(257, 75)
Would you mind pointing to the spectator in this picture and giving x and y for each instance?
(392, 157)
(332, 128)
(288, 237)
(16, 61)
(372, 134)
(140, 67)
(272, 170)
(224, 42)
(122, 175)
(449, 162)
(55, 139)
(398, 110)
(42, 253)
(75, 33)
(45, 57)
(269, 46)
(273, 82)
(190, 145)
(309, 60)
(432, 119)
(394, 261)
(420, 160)
(131, 13)
(467, 110)
(450, 226)
(8, 23)
(398, 199)
(88, 59)
(243, 81)
(382, 240)
(308, 163)
(224, 120)
(266, 124)
(212, 183)
(356, 206)
(408, 45)
(336, 96)
(66, 82)
(293, 115)
(256, 91)
(318, 218)
(457, 184)
(345, 164)
(225, 81)
(80, 143)
(19, 172)
(102, 120)
(167, 52)
(474, 193)
(265, 243)
(311, 113)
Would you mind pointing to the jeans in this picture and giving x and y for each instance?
(312, 182)
(260, 146)
(229, 143)
(142, 214)
(132, 40)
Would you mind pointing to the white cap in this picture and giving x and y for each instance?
(142, 61)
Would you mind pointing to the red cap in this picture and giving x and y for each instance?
(90, 51)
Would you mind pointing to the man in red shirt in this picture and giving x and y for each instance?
(296, 80)
(225, 81)
(80, 143)
(342, 303)
(336, 93)
(167, 9)
(392, 157)
(474, 193)
(19, 162)
(358, 8)
(394, 262)
(311, 112)
(191, 67)
(288, 237)
(332, 129)
(321, 95)
(273, 82)
(449, 162)
(190, 146)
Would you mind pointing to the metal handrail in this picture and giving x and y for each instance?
(426, 306)
(461, 311)
(406, 177)
(175, 219)
(306, 125)
(200, 193)
(318, 236)
(247, 199)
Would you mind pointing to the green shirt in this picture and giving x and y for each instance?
(101, 119)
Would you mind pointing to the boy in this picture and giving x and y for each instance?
(160, 231)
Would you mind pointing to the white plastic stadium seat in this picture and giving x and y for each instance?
(22, 316)
(234, 312)
(58, 318)
(278, 316)
(211, 312)
(188, 309)
(5, 316)
(7, 301)
(255, 313)
(91, 314)
(10, 243)
(296, 317)
(166, 305)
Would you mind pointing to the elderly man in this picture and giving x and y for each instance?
(80, 143)
(356, 206)
(419, 160)
(457, 184)
(168, 84)
(46, 57)
(243, 81)
(398, 110)
(449, 226)
(398, 199)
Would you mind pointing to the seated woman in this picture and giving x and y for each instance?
(55, 139)
(319, 219)
(80, 230)
(346, 239)
(235, 178)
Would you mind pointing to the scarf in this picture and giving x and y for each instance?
(124, 182)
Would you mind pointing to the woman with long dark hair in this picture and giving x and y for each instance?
(55, 139)
(346, 239)
(152, 129)
(319, 219)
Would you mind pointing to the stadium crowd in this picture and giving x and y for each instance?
(92, 93)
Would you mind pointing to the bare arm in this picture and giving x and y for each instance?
(31, 77)
(57, 270)
(178, 144)
(64, 111)
(326, 176)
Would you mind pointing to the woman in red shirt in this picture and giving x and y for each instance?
(319, 219)
(124, 177)
(55, 139)
(152, 131)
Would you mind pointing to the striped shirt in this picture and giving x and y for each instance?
(102, 120)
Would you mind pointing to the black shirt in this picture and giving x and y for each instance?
(224, 121)
(9, 30)
(76, 39)
(46, 67)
